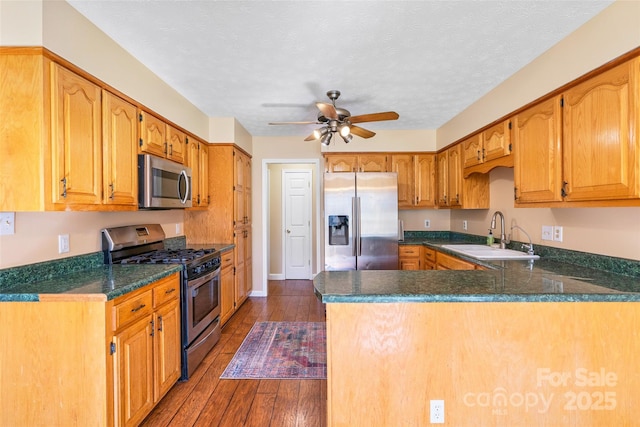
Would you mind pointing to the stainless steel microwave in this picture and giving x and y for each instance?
(163, 184)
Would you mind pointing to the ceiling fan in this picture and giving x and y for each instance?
(339, 120)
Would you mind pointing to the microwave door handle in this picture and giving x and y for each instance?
(183, 199)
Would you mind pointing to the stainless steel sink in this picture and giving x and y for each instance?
(485, 252)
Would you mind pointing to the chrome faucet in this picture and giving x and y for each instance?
(530, 245)
(503, 238)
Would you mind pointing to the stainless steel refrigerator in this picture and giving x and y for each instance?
(360, 221)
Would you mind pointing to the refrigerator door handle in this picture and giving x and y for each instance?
(359, 226)
(354, 225)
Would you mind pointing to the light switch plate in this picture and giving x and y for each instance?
(547, 232)
(7, 223)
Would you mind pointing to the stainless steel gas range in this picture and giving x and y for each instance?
(200, 289)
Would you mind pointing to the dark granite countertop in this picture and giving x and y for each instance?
(111, 281)
(545, 280)
(86, 275)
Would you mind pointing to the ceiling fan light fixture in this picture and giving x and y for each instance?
(326, 139)
(345, 130)
(319, 133)
(347, 137)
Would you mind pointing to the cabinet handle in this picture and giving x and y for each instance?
(457, 198)
(140, 307)
(171, 149)
(444, 199)
(483, 154)
(112, 195)
(152, 328)
(64, 187)
(515, 193)
(563, 190)
(168, 291)
(165, 147)
(478, 155)
(160, 323)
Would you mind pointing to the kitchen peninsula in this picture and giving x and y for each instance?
(546, 343)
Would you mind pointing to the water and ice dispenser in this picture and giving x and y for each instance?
(338, 230)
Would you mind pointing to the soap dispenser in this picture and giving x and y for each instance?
(490, 238)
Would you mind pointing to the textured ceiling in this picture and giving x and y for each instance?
(264, 61)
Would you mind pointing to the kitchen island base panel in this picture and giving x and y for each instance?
(493, 364)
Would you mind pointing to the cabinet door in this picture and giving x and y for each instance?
(238, 190)
(134, 372)
(193, 161)
(403, 165)
(120, 135)
(176, 140)
(341, 163)
(455, 175)
(472, 151)
(600, 136)
(373, 163)
(226, 287)
(496, 141)
(167, 348)
(76, 139)
(537, 166)
(425, 180)
(240, 273)
(153, 137)
(247, 190)
(204, 175)
(442, 163)
(248, 264)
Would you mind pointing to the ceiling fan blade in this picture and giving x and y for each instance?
(327, 110)
(294, 123)
(361, 132)
(374, 117)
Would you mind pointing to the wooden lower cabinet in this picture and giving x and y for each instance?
(448, 262)
(409, 257)
(428, 258)
(78, 360)
(227, 286)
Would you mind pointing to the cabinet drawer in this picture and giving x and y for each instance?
(429, 254)
(408, 251)
(133, 309)
(166, 289)
(227, 259)
(446, 262)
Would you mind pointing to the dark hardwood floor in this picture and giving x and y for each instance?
(206, 400)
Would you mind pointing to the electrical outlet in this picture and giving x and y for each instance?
(557, 233)
(547, 232)
(436, 413)
(63, 243)
(7, 223)
(464, 224)
(178, 228)
(427, 223)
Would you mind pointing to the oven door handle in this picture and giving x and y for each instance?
(195, 284)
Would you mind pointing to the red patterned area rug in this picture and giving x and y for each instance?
(281, 350)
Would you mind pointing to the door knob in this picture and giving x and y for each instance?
(288, 231)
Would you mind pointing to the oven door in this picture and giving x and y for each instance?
(202, 304)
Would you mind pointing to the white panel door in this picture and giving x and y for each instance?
(297, 223)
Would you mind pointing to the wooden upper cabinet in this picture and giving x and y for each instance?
(472, 151)
(537, 163)
(76, 139)
(425, 180)
(369, 162)
(120, 134)
(373, 163)
(601, 136)
(153, 135)
(442, 167)
(205, 197)
(193, 161)
(402, 164)
(176, 143)
(416, 179)
(455, 176)
(496, 141)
